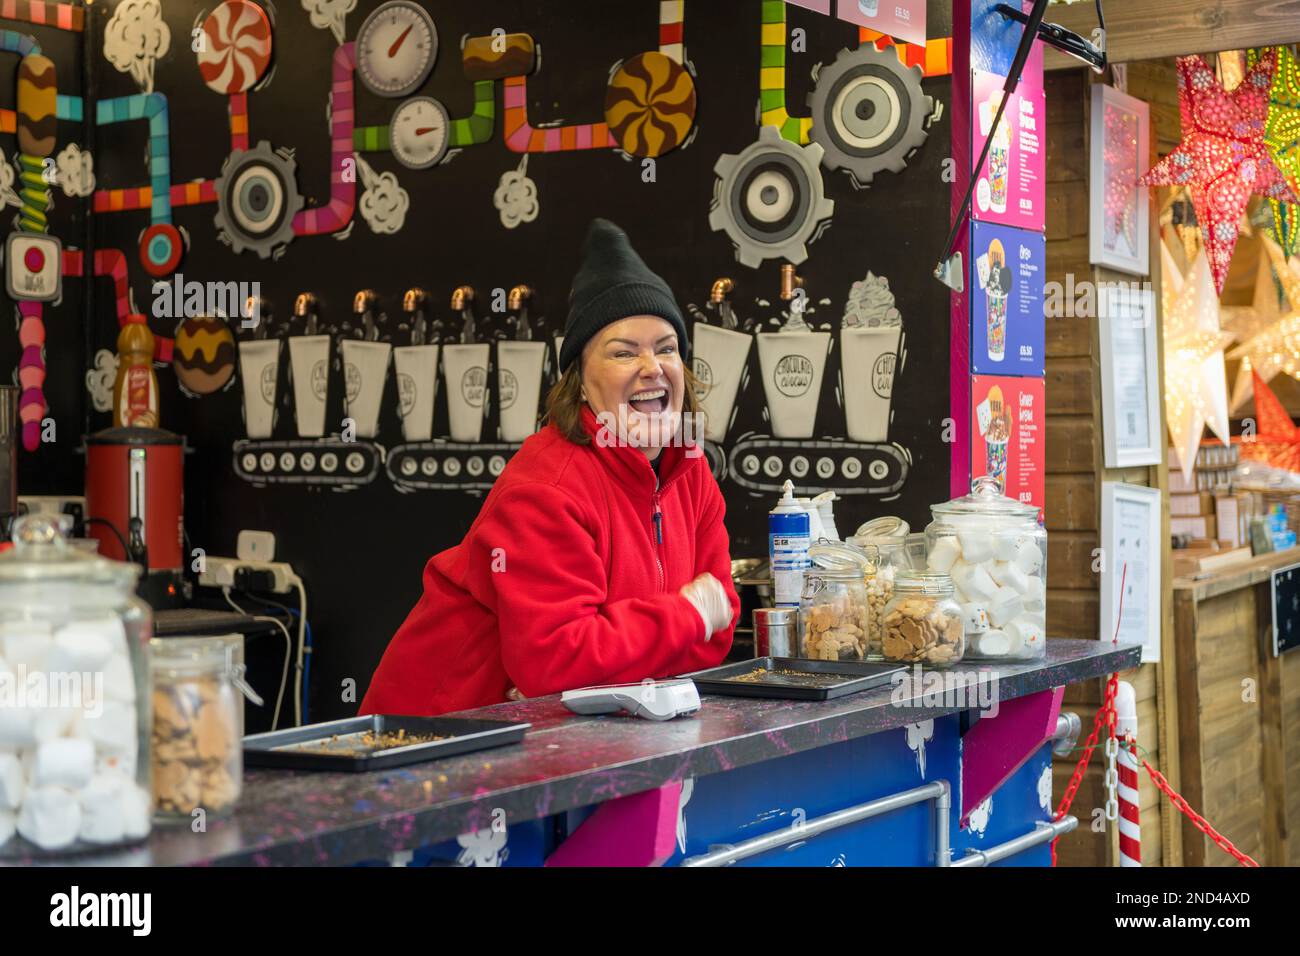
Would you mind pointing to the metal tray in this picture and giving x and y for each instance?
(338, 744)
(788, 678)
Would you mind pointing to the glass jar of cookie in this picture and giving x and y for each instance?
(923, 623)
(833, 615)
(197, 717)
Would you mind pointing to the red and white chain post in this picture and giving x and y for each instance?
(1126, 728)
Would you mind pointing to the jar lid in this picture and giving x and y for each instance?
(923, 582)
(838, 557)
(986, 498)
(41, 553)
(887, 526)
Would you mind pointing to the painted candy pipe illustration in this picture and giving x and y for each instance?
(343, 187)
(771, 77)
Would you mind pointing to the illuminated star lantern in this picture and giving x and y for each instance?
(1276, 440)
(1223, 158)
(1196, 384)
(1270, 338)
(1282, 124)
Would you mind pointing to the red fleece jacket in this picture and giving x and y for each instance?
(567, 578)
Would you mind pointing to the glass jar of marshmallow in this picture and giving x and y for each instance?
(995, 551)
(74, 698)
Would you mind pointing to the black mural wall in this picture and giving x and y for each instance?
(361, 552)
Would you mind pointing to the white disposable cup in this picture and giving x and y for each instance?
(417, 387)
(793, 364)
(719, 361)
(519, 387)
(365, 369)
(309, 360)
(869, 358)
(259, 368)
(466, 369)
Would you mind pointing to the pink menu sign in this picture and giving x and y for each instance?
(900, 19)
(1011, 185)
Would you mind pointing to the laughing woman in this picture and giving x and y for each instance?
(600, 555)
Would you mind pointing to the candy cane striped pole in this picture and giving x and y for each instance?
(1130, 824)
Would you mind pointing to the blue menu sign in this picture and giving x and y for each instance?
(1286, 608)
(1006, 303)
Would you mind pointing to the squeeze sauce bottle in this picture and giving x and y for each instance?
(135, 393)
(787, 547)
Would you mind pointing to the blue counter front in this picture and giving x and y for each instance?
(897, 776)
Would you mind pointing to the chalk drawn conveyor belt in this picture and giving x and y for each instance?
(763, 464)
(323, 462)
(448, 465)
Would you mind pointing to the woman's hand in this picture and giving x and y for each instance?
(709, 598)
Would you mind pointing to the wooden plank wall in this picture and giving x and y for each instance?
(1075, 470)
(1147, 29)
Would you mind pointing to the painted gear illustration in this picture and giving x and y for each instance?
(769, 199)
(868, 112)
(257, 198)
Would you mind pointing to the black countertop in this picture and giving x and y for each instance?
(566, 761)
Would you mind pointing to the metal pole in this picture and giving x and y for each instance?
(1043, 832)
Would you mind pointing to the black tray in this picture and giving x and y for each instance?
(815, 680)
(313, 747)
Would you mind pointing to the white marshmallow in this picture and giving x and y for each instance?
(1035, 593)
(137, 811)
(25, 645)
(1029, 558)
(123, 762)
(101, 809)
(84, 645)
(1008, 575)
(51, 723)
(943, 555)
(1004, 546)
(1028, 633)
(119, 681)
(67, 763)
(113, 731)
(992, 643)
(976, 546)
(974, 617)
(1004, 607)
(16, 728)
(12, 782)
(8, 826)
(974, 581)
(50, 818)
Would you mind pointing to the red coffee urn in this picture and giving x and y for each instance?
(135, 505)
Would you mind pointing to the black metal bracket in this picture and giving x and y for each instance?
(1059, 38)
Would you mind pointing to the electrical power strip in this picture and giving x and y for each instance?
(219, 572)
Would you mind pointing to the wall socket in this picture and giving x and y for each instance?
(219, 572)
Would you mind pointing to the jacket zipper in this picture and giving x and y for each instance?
(658, 519)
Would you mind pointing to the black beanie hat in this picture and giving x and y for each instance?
(612, 284)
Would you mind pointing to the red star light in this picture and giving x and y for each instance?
(1223, 158)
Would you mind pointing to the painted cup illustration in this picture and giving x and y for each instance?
(417, 387)
(869, 357)
(465, 367)
(259, 369)
(309, 361)
(868, 8)
(365, 369)
(997, 288)
(999, 151)
(519, 385)
(996, 438)
(718, 362)
(792, 364)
